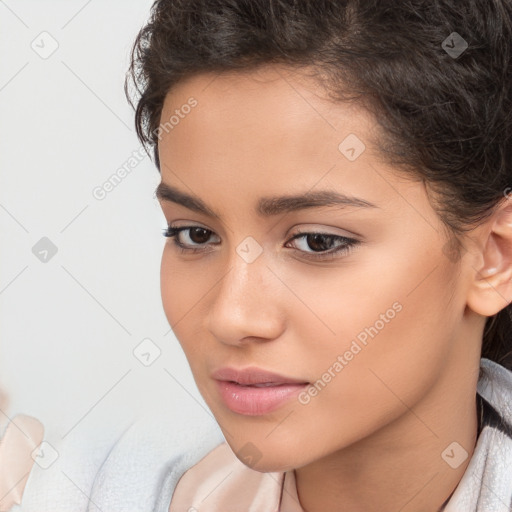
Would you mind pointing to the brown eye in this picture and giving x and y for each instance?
(319, 242)
(194, 241)
(318, 246)
(199, 235)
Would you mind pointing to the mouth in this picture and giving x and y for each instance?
(253, 376)
(255, 392)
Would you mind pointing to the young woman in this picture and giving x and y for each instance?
(336, 179)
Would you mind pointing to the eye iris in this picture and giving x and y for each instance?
(200, 231)
(317, 239)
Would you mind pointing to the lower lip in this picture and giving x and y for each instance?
(253, 401)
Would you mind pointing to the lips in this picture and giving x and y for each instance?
(255, 392)
(253, 376)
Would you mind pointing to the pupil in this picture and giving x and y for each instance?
(318, 239)
(195, 231)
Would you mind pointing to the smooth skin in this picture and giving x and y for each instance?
(372, 439)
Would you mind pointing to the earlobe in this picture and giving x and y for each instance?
(491, 289)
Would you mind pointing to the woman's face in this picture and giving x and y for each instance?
(370, 319)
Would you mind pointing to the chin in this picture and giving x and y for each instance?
(274, 463)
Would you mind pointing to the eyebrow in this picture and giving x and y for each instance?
(267, 206)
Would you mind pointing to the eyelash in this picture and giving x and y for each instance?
(347, 245)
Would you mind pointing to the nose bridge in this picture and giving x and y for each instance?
(248, 272)
(244, 284)
(245, 299)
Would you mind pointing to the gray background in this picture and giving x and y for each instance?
(70, 322)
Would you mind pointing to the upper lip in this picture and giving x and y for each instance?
(253, 375)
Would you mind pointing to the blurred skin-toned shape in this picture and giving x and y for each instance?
(19, 438)
(372, 438)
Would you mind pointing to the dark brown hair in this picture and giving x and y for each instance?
(436, 74)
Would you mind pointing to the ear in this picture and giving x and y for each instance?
(491, 288)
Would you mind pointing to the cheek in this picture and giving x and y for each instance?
(183, 290)
(375, 382)
(170, 288)
(181, 287)
(169, 285)
(392, 325)
(178, 296)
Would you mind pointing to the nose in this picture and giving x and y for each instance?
(245, 303)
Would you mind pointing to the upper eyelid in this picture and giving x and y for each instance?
(323, 231)
(293, 236)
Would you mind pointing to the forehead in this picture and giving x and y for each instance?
(257, 114)
(278, 86)
(267, 133)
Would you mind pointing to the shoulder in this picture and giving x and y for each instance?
(221, 482)
(495, 387)
(130, 466)
(486, 483)
(144, 465)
